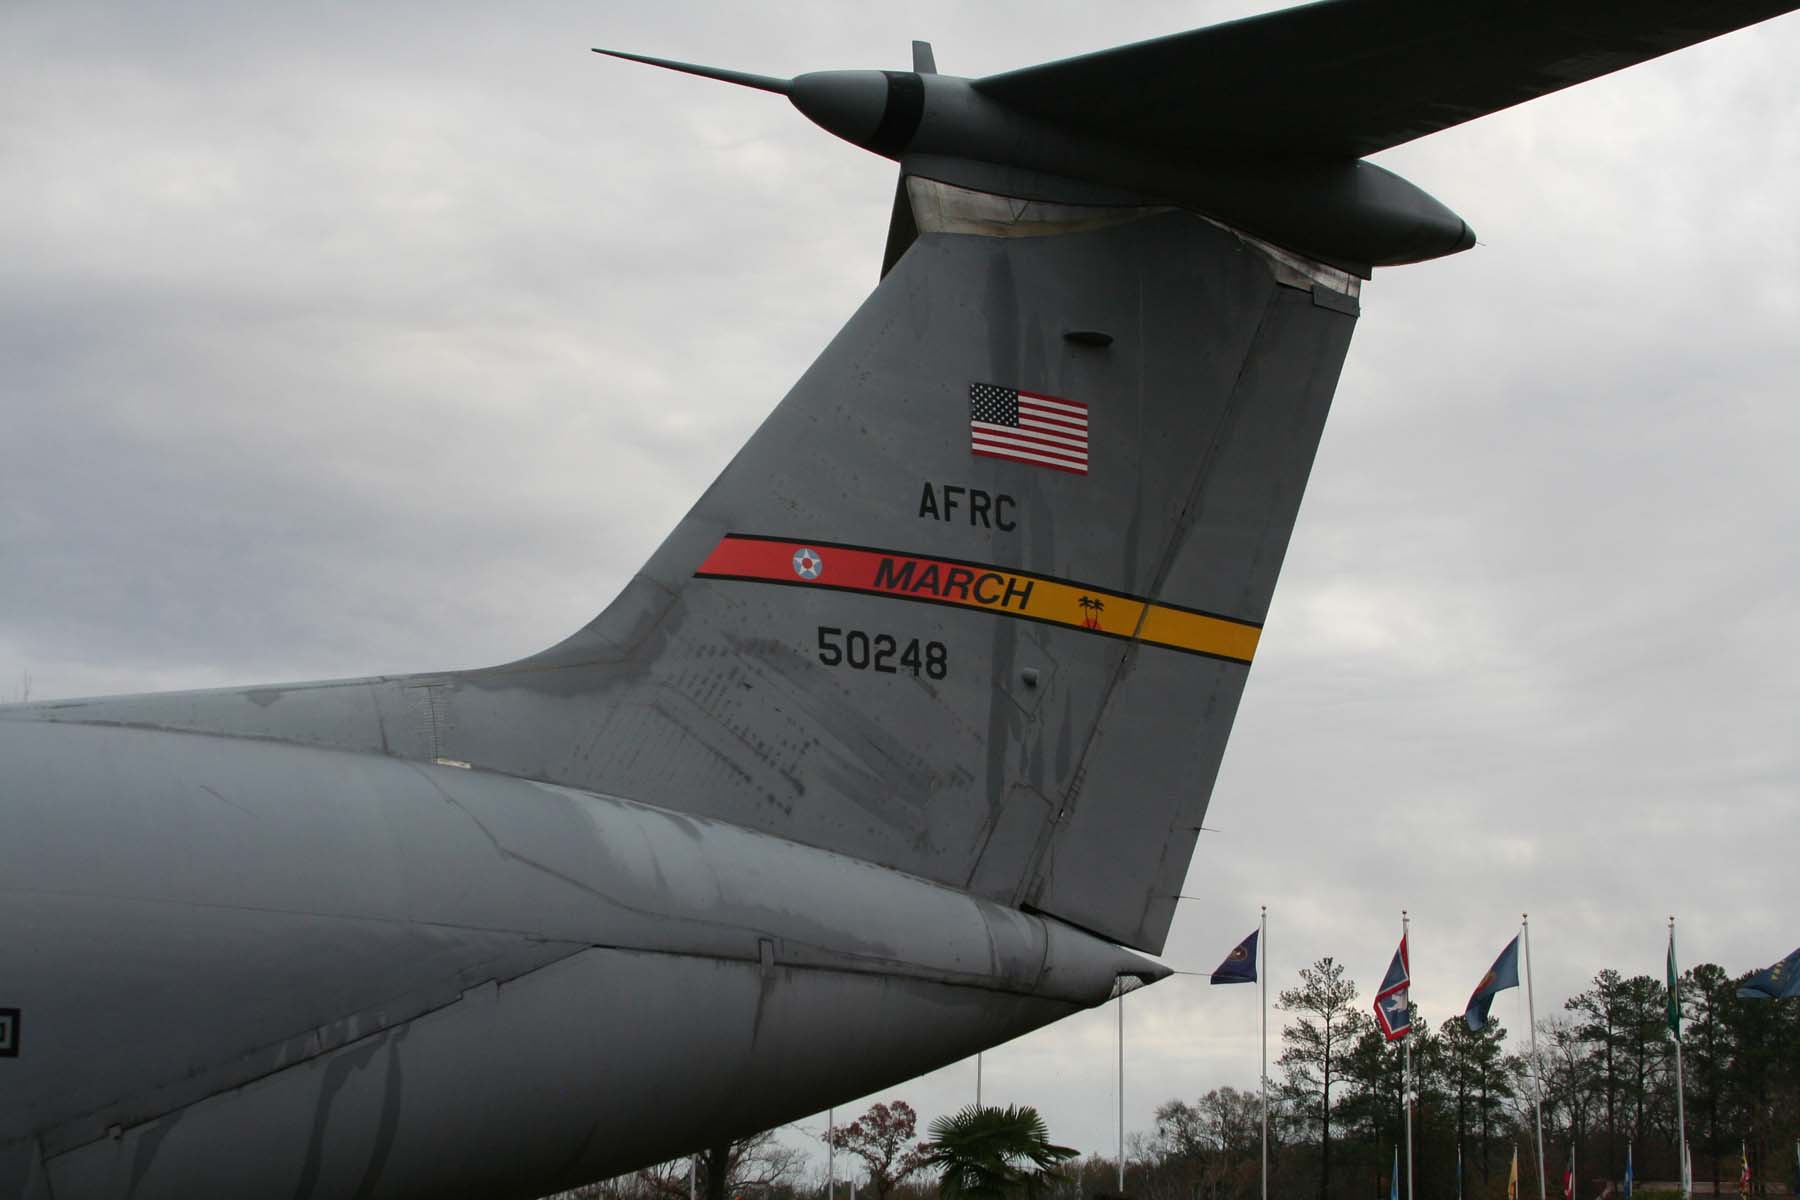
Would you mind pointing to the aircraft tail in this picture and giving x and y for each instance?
(976, 602)
(978, 599)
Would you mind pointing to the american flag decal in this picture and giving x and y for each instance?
(1045, 431)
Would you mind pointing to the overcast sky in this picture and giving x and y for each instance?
(338, 339)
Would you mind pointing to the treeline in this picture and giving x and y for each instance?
(1607, 1065)
(1606, 1061)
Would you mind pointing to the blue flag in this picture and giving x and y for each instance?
(1627, 1171)
(1779, 982)
(1240, 965)
(1393, 1001)
(1502, 975)
(1394, 1180)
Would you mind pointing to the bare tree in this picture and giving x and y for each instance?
(758, 1164)
(885, 1138)
(1209, 1148)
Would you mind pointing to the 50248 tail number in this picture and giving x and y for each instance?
(883, 652)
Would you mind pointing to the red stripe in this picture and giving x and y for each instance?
(1053, 415)
(1075, 439)
(855, 570)
(1032, 421)
(1053, 399)
(775, 561)
(1027, 456)
(1082, 470)
(1024, 437)
(1059, 434)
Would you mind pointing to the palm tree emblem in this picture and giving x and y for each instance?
(1091, 608)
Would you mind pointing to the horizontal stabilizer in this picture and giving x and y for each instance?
(1347, 78)
(763, 83)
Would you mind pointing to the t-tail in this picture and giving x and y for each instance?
(897, 748)
(978, 600)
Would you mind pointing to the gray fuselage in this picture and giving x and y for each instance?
(456, 982)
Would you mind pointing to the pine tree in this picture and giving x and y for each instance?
(1600, 1017)
(1707, 995)
(1316, 1043)
(1478, 1074)
(1644, 1034)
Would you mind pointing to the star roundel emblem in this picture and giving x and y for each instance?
(807, 563)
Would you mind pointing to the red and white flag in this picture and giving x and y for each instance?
(1393, 1001)
(1045, 431)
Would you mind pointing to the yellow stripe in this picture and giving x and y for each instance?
(1157, 624)
(1191, 631)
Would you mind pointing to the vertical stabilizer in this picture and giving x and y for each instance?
(978, 600)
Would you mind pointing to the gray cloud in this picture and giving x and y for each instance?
(337, 340)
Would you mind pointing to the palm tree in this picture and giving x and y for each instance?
(985, 1153)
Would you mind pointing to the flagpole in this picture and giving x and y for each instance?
(1537, 1077)
(1121, 1088)
(830, 1153)
(1262, 942)
(1406, 1077)
(978, 1079)
(1687, 1183)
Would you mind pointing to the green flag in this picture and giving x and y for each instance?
(1674, 991)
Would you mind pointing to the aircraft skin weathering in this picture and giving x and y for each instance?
(884, 757)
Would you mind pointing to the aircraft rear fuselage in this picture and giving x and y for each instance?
(454, 980)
